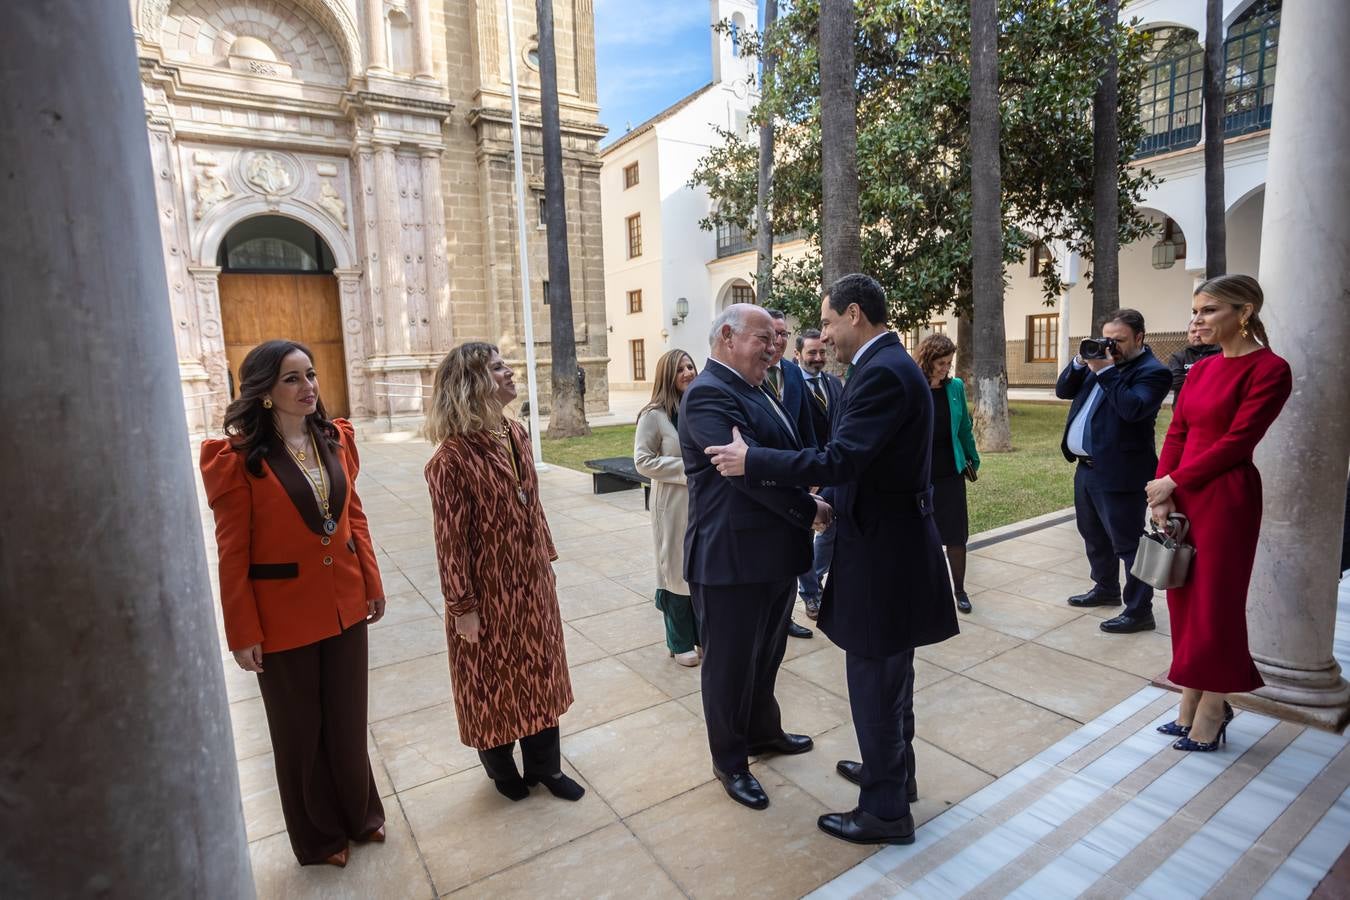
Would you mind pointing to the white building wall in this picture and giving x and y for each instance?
(623, 274)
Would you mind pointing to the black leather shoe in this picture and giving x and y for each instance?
(787, 745)
(963, 601)
(858, 827)
(744, 788)
(852, 772)
(1128, 624)
(1095, 597)
(812, 605)
(795, 630)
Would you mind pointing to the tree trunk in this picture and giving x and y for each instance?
(763, 224)
(965, 350)
(1216, 232)
(567, 418)
(992, 429)
(841, 243)
(1105, 175)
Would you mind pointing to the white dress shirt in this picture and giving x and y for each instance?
(1077, 439)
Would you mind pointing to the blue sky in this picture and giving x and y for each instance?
(648, 54)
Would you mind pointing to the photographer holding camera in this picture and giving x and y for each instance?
(1117, 386)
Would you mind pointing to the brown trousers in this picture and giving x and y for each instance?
(315, 697)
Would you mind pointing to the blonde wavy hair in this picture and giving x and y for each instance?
(463, 395)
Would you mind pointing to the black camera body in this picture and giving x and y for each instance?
(1097, 348)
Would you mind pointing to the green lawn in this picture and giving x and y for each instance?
(1031, 480)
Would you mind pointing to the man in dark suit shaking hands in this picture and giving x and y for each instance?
(1109, 434)
(888, 590)
(743, 549)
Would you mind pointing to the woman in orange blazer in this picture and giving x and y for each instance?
(298, 586)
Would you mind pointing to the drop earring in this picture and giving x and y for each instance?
(267, 401)
(1244, 329)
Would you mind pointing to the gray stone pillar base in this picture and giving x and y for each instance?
(1319, 697)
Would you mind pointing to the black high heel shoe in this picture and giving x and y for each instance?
(559, 785)
(1189, 745)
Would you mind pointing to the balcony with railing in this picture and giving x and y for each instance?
(1170, 105)
(733, 239)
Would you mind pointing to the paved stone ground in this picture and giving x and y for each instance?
(1024, 677)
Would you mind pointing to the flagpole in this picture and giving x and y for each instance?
(531, 377)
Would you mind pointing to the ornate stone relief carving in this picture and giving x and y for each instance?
(269, 174)
(210, 190)
(329, 200)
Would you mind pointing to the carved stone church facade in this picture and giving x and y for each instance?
(340, 172)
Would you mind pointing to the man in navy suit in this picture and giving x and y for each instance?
(743, 549)
(1110, 435)
(823, 390)
(785, 380)
(889, 590)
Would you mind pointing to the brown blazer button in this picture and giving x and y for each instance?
(325, 540)
(328, 560)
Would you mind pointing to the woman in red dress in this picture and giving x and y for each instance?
(1205, 472)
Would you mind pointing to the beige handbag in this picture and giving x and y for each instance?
(1164, 559)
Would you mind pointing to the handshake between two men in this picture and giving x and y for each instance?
(752, 506)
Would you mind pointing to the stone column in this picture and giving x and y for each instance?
(433, 228)
(393, 281)
(211, 333)
(423, 39)
(117, 766)
(377, 47)
(1305, 270)
(353, 341)
(583, 25)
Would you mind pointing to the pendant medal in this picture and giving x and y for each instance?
(520, 492)
(329, 526)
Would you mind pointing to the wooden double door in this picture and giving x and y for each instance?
(304, 308)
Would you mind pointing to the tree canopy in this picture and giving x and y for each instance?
(913, 80)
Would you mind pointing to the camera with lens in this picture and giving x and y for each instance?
(1097, 348)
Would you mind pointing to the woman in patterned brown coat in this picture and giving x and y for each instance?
(508, 668)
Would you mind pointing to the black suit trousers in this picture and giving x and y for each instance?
(881, 694)
(1111, 523)
(743, 630)
(315, 698)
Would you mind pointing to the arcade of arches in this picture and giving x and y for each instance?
(339, 172)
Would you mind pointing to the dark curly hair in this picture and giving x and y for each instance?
(930, 350)
(249, 425)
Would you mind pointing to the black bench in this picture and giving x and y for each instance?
(617, 473)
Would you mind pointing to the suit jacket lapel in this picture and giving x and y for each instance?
(337, 477)
(296, 484)
(732, 378)
(775, 411)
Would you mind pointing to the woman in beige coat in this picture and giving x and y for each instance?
(656, 454)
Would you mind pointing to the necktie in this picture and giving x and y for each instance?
(775, 376)
(818, 389)
(848, 373)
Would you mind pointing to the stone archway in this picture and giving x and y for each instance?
(206, 272)
(733, 291)
(333, 16)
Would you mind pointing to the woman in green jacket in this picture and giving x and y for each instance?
(953, 453)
